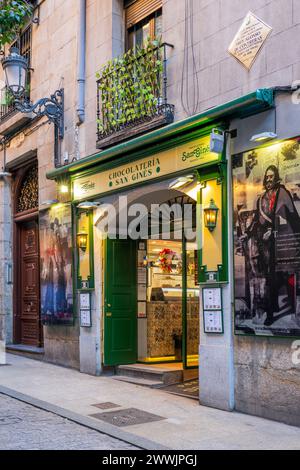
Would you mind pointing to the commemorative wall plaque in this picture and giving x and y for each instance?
(249, 40)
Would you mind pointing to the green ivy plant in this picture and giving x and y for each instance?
(130, 87)
(8, 99)
(13, 16)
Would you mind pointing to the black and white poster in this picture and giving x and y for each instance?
(266, 193)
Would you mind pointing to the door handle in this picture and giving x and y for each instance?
(108, 314)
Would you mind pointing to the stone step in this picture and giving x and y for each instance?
(139, 381)
(32, 352)
(149, 372)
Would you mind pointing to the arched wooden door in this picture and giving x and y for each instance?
(27, 319)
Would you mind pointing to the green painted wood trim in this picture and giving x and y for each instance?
(184, 306)
(91, 277)
(73, 270)
(167, 146)
(251, 103)
(153, 150)
(215, 172)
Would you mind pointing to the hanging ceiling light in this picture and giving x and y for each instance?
(263, 137)
(181, 181)
(88, 205)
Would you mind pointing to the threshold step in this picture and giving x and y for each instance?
(32, 352)
(154, 373)
(137, 381)
(24, 348)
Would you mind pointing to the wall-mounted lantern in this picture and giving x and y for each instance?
(16, 69)
(63, 186)
(82, 240)
(211, 215)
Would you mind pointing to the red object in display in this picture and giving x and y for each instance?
(165, 260)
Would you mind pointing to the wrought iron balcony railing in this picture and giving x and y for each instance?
(132, 95)
(7, 106)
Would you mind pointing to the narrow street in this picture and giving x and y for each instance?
(145, 417)
(24, 427)
(149, 227)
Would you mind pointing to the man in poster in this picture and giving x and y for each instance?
(272, 247)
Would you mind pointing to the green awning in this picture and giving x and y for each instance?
(258, 101)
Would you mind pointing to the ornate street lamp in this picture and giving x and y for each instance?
(210, 216)
(16, 68)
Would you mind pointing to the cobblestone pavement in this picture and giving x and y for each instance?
(24, 427)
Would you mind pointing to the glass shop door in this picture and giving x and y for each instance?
(190, 306)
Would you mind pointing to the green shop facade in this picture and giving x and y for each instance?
(163, 300)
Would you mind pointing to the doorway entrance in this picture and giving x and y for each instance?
(165, 329)
(151, 292)
(27, 319)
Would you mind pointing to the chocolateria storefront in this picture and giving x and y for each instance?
(170, 251)
(143, 221)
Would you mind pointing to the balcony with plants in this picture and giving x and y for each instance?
(16, 17)
(7, 107)
(132, 94)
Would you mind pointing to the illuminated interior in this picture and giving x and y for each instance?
(162, 334)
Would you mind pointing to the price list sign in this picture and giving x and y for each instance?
(212, 310)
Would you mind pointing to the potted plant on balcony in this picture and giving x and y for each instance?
(131, 95)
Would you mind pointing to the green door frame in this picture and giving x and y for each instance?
(184, 309)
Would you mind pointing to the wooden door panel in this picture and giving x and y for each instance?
(29, 292)
(30, 277)
(29, 332)
(30, 245)
(30, 308)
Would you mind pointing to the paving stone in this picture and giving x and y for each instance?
(24, 427)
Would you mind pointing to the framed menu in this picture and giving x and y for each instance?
(85, 318)
(212, 310)
(84, 299)
(212, 298)
(213, 321)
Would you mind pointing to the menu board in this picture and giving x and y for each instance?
(212, 310)
(85, 309)
(212, 298)
(85, 318)
(213, 321)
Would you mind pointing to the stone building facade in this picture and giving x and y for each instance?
(250, 374)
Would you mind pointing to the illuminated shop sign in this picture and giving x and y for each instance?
(183, 157)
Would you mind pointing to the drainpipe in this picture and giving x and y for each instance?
(81, 63)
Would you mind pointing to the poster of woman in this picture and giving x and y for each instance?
(267, 240)
(56, 265)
